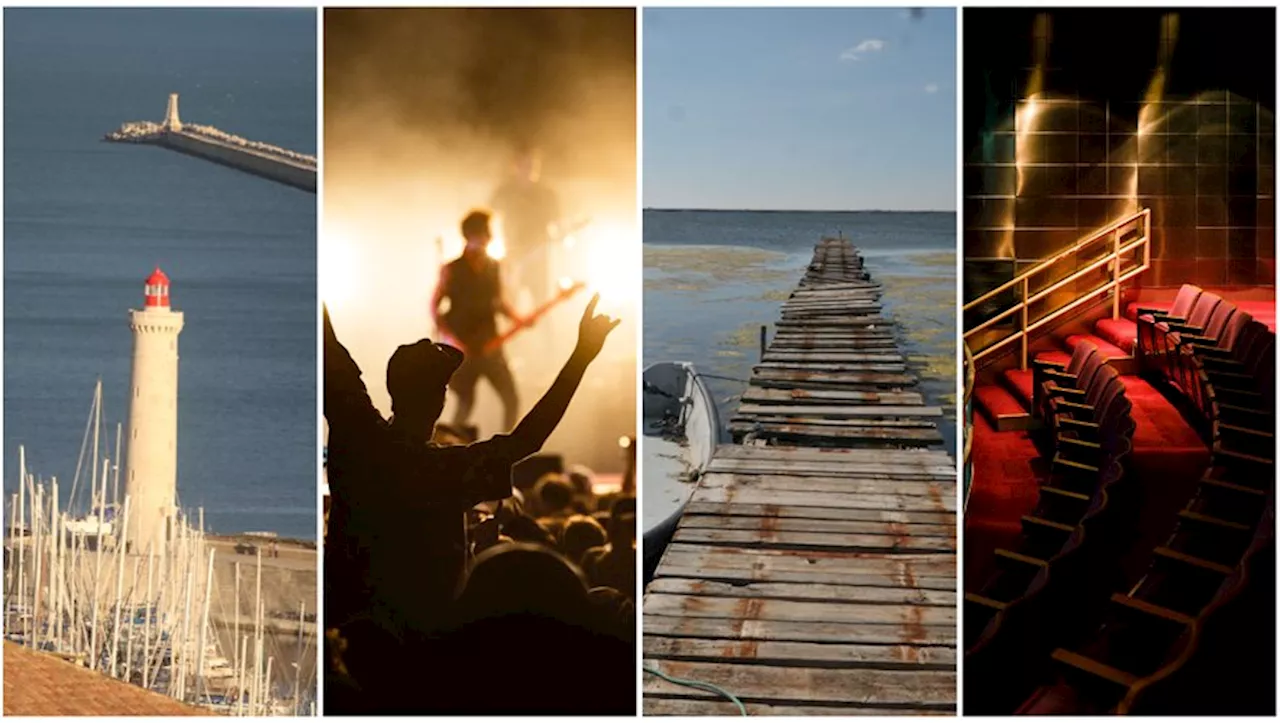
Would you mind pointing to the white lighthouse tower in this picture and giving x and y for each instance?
(172, 122)
(152, 463)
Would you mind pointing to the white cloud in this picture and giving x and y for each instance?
(931, 88)
(870, 45)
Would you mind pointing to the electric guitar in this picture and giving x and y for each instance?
(519, 325)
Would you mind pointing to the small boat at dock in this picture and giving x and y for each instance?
(681, 431)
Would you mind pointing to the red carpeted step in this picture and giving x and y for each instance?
(1120, 332)
(1131, 308)
(1108, 350)
(1019, 381)
(999, 405)
(1057, 356)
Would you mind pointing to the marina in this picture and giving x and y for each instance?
(197, 618)
(813, 568)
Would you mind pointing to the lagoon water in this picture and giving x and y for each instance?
(86, 221)
(712, 278)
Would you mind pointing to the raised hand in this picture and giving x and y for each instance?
(593, 329)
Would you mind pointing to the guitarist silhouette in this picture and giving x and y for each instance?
(473, 285)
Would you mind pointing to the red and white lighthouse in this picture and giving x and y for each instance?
(151, 464)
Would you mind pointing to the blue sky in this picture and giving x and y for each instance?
(799, 109)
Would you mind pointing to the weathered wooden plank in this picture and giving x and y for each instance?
(863, 502)
(814, 540)
(869, 410)
(846, 423)
(802, 524)
(801, 433)
(804, 396)
(898, 468)
(903, 456)
(657, 705)
(876, 688)
(881, 657)
(818, 512)
(740, 576)
(847, 485)
(828, 367)
(800, 632)
(849, 321)
(904, 566)
(823, 357)
(770, 376)
(812, 345)
(797, 611)
(807, 591)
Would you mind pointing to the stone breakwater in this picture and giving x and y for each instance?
(150, 132)
(260, 159)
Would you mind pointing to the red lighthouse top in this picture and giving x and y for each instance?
(156, 290)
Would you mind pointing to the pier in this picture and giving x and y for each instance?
(814, 570)
(260, 159)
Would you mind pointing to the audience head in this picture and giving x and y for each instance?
(622, 523)
(554, 494)
(523, 528)
(580, 534)
(523, 579)
(417, 378)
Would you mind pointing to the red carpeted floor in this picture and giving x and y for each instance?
(1167, 461)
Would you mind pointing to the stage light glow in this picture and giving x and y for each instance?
(611, 251)
(497, 248)
(340, 267)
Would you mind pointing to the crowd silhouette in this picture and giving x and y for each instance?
(451, 589)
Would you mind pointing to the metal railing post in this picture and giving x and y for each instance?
(1025, 288)
(1115, 274)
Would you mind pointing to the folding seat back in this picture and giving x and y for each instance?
(1080, 355)
(1218, 320)
(1234, 332)
(1090, 369)
(1255, 333)
(1106, 378)
(1185, 299)
(1042, 382)
(1203, 309)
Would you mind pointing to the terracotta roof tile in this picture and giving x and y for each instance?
(40, 684)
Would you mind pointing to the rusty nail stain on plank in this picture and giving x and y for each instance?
(913, 628)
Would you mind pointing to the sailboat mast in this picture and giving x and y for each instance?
(235, 634)
(204, 627)
(55, 572)
(97, 427)
(22, 544)
(115, 627)
(37, 510)
(297, 675)
(146, 623)
(115, 492)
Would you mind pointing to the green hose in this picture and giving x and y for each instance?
(710, 687)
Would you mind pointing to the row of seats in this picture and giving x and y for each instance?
(1056, 565)
(1202, 328)
(1195, 634)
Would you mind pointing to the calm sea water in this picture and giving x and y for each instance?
(86, 221)
(712, 278)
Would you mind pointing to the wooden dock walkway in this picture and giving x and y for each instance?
(814, 569)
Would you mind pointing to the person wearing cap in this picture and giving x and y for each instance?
(473, 285)
(397, 545)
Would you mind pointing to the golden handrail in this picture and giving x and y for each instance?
(1111, 232)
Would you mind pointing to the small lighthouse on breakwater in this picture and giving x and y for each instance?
(151, 469)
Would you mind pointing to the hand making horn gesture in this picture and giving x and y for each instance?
(593, 329)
